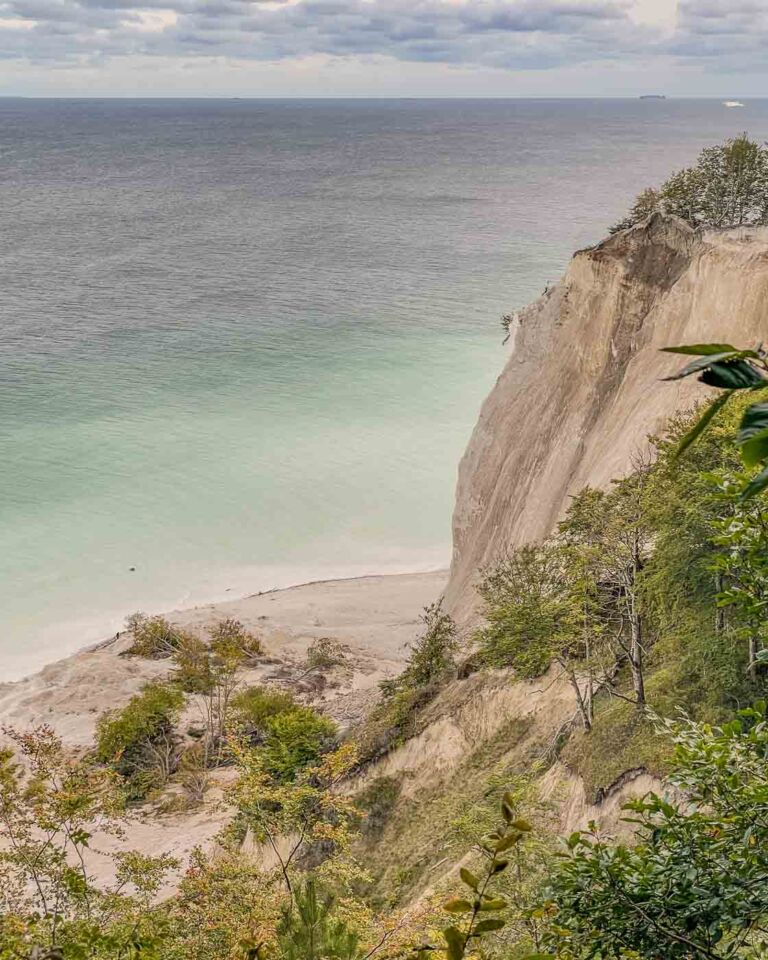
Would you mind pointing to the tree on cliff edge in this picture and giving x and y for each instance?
(728, 187)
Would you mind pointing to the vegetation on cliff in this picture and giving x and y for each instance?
(727, 187)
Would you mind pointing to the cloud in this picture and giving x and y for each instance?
(497, 33)
(506, 34)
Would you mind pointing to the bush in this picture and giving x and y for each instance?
(254, 706)
(138, 742)
(325, 654)
(295, 739)
(431, 660)
(153, 637)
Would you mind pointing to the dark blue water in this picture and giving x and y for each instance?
(243, 343)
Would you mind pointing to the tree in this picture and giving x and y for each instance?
(432, 653)
(51, 806)
(310, 928)
(742, 564)
(540, 606)
(613, 531)
(727, 187)
(693, 886)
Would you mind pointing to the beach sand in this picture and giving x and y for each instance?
(375, 618)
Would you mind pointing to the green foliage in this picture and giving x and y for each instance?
(138, 741)
(325, 653)
(430, 665)
(295, 739)
(51, 806)
(727, 187)
(431, 659)
(153, 637)
(532, 610)
(730, 369)
(310, 928)
(693, 886)
(253, 707)
(480, 907)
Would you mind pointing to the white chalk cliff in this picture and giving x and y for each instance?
(581, 391)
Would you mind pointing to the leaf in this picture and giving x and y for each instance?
(506, 842)
(457, 905)
(499, 903)
(492, 923)
(755, 486)
(703, 422)
(702, 363)
(469, 878)
(753, 434)
(734, 375)
(455, 941)
(507, 812)
(702, 349)
(522, 825)
(500, 865)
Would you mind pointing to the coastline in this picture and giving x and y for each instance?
(68, 633)
(374, 616)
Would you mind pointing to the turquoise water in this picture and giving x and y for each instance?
(244, 343)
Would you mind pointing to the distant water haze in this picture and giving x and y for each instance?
(244, 343)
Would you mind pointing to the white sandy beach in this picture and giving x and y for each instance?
(374, 617)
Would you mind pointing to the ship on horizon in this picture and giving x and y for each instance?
(653, 96)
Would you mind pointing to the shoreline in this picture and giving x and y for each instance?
(374, 616)
(68, 635)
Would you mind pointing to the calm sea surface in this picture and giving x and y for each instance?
(243, 343)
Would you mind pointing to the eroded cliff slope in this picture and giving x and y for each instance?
(580, 391)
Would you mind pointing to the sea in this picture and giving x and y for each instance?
(243, 343)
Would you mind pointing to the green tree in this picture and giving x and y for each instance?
(310, 928)
(727, 187)
(51, 808)
(693, 885)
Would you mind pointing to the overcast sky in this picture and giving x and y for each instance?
(334, 48)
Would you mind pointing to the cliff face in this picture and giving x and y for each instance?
(580, 392)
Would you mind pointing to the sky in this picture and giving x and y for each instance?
(383, 48)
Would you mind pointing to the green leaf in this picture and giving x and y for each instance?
(507, 812)
(522, 825)
(702, 349)
(500, 865)
(469, 878)
(499, 903)
(492, 923)
(755, 486)
(703, 422)
(702, 363)
(457, 905)
(734, 375)
(455, 941)
(753, 434)
(506, 842)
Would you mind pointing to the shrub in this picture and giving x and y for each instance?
(138, 742)
(153, 637)
(325, 653)
(254, 706)
(230, 640)
(295, 739)
(431, 659)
